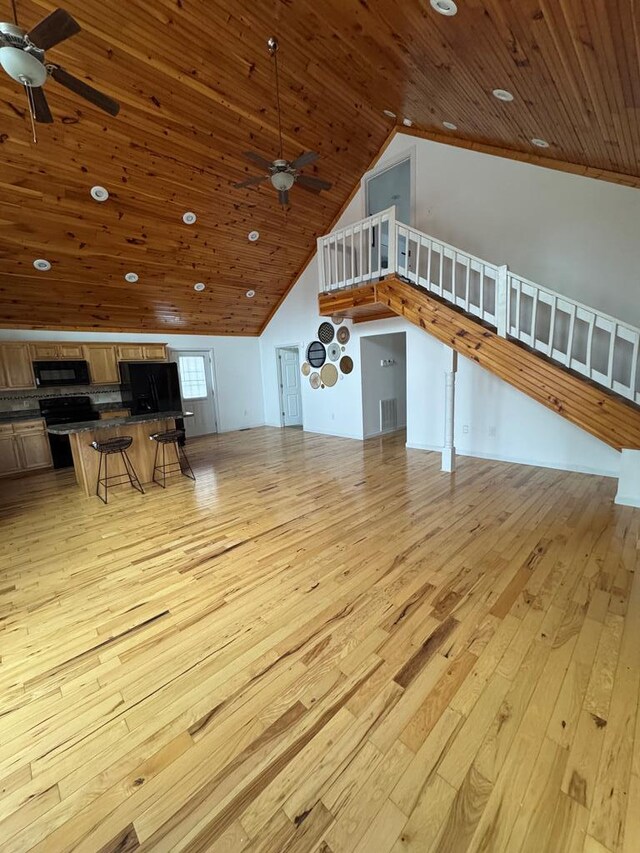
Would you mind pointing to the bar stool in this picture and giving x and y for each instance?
(106, 448)
(162, 439)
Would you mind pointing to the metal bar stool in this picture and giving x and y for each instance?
(106, 448)
(162, 439)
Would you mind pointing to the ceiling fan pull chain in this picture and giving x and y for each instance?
(15, 12)
(273, 50)
(32, 111)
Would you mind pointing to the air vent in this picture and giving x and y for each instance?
(388, 414)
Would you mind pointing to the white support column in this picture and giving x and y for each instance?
(449, 451)
(628, 493)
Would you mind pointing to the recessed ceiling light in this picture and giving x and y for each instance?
(540, 143)
(250, 294)
(99, 193)
(131, 277)
(502, 95)
(449, 125)
(389, 114)
(253, 236)
(407, 122)
(199, 287)
(189, 217)
(42, 265)
(445, 7)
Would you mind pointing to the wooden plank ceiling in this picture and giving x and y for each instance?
(196, 87)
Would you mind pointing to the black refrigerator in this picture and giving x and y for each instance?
(151, 386)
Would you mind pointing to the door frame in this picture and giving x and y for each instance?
(212, 376)
(300, 347)
(407, 154)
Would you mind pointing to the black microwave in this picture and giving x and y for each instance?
(49, 373)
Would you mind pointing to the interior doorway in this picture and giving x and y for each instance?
(289, 386)
(195, 371)
(383, 372)
(384, 189)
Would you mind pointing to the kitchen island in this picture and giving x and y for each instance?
(141, 452)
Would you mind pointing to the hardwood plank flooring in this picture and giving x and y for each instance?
(321, 645)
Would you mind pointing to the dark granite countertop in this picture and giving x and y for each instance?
(19, 415)
(89, 426)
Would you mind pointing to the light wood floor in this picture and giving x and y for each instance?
(321, 646)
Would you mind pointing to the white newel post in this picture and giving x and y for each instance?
(449, 451)
(628, 493)
(393, 241)
(320, 252)
(502, 302)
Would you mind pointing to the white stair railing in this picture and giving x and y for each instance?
(584, 339)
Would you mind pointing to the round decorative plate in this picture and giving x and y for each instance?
(333, 351)
(343, 335)
(314, 380)
(336, 319)
(346, 364)
(329, 374)
(326, 333)
(305, 369)
(316, 354)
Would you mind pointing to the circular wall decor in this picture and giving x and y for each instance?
(336, 319)
(316, 354)
(346, 364)
(343, 335)
(326, 333)
(314, 380)
(333, 351)
(306, 368)
(329, 374)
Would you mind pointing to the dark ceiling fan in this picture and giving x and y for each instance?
(282, 173)
(22, 56)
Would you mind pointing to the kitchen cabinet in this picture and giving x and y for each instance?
(130, 352)
(116, 413)
(53, 352)
(24, 446)
(155, 352)
(70, 351)
(103, 364)
(17, 371)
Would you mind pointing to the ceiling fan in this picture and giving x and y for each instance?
(282, 173)
(22, 56)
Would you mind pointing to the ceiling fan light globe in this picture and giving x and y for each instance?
(23, 67)
(282, 181)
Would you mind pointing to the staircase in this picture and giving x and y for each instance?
(577, 361)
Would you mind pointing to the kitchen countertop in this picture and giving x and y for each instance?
(19, 415)
(89, 426)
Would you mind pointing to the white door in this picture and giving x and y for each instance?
(289, 379)
(195, 369)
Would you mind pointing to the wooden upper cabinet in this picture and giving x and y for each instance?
(155, 352)
(130, 352)
(43, 352)
(17, 371)
(103, 364)
(70, 351)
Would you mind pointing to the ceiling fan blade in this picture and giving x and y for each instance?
(251, 182)
(53, 29)
(283, 197)
(84, 90)
(258, 159)
(41, 110)
(313, 184)
(304, 159)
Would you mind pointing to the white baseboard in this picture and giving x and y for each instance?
(627, 501)
(333, 434)
(380, 432)
(516, 460)
(244, 426)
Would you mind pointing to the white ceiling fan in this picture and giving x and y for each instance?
(283, 174)
(22, 56)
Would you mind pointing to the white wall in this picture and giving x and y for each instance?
(574, 234)
(238, 381)
(382, 383)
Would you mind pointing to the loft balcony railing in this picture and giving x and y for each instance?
(583, 339)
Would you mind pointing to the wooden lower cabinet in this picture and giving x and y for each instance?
(116, 413)
(24, 446)
(9, 460)
(103, 364)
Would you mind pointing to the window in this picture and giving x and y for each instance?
(193, 378)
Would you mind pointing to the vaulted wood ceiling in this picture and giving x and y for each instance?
(196, 87)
